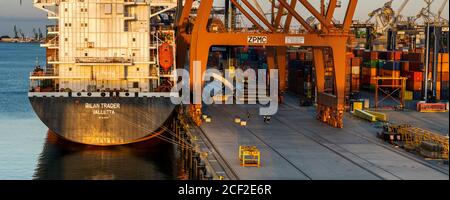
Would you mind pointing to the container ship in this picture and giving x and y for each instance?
(108, 70)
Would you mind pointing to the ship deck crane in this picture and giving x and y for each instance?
(330, 106)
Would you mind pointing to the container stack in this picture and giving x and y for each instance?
(411, 66)
(348, 75)
(300, 77)
(442, 84)
(355, 74)
(367, 65)
(369, 70)
(389, 66)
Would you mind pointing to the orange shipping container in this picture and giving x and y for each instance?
(369, 71)
(443, 57)
(404, 66)
(414, 85)
(390, 73)
(443, 67)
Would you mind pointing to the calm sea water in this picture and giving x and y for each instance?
(28, 151)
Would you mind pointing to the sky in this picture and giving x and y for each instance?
(27, 17)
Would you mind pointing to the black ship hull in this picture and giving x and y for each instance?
(103, 120)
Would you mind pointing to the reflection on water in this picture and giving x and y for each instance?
(63, 160)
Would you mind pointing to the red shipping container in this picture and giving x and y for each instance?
(370, 55)
(404, 66)
(293, 56)
(358, 52)
(398, 55)
(301, 56)
(368, 80)
(443, 76)
(416, 57)
(356, 61)
(415, 76)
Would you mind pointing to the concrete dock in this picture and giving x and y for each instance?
(294, 145)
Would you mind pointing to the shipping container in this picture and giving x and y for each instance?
(414, 57)
(404, 66)
(371, 63)
(355, 70)
(443, 57)
(369, 71)
(356, 61)
(415, 76)
(442, 67)
(389, 55)
(392, 65)
(408, 95)
(413, 85)
(370, 55)
(416, 66)
(368, 87)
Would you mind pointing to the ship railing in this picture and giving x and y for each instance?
(52, 15)
(164, 3)
(52, 29)
(51, 43)
(47, 72)
(102, 60)
(38, 93)
(46, 1)
(134, 2)
(130, 16)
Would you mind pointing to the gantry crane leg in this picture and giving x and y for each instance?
(330, 107)
(281, 63)
(276, 59)
(198, 55)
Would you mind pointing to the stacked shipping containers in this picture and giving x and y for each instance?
(412, 68)
(355, 74)
(300, 76)
(369, 70)
(442, 84)
(389, 66)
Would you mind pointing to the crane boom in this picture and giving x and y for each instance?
(441, 9)
(397, 14)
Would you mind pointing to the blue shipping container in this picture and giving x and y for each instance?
(392, 65)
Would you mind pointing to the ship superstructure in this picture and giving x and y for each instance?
(109, 67)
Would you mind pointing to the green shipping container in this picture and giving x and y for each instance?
(244, 56)
(368, 87)
(381, 64)
(371, 63)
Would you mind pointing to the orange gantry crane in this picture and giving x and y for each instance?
(275, 35)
